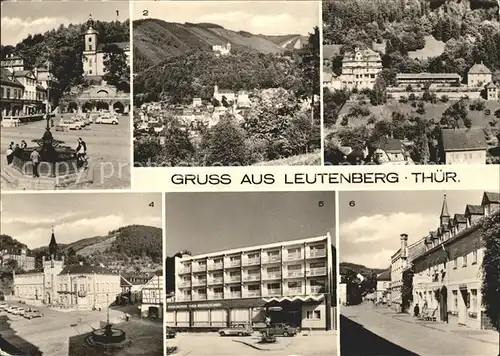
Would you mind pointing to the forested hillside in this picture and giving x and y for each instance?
(63, 48)
(156, 40)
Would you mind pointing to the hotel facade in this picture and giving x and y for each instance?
(291, 282)
(447, 273)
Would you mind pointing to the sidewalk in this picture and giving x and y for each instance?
(488, 336)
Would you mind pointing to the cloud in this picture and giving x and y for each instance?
(47, 220)
(15, 29)
(71, 231)
(371, 240)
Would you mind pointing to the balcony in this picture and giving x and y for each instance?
(184, 270)
(200, 297)
(273, 292)
(316, 254)
(252, 277)
(319, 271)
(185, 284)
(215, 266)
(217, 280)
(253, 293)
(217, 296)
(294, 291)
(252, 262)
(292, 274)
(294, 257)
(272, 276)
(201, 268)
(183, 298)
(234, 279)
(317, 289)
(271, 259)
(233, 264)
(235, 295)
(199, 282)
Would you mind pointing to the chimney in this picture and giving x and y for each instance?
(404, 245)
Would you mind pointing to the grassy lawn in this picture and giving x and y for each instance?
(432, 111)
(310, 159)
(433, 48)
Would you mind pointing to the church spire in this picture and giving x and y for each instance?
(445, 215)
(53, 249)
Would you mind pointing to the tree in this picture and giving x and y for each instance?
(455, 113)
(226, 144)
(178, 148)
(490, 234)
(116, 67)
(378, 94)
(146, 150)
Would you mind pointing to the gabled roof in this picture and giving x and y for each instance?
(385, 275)
(84, 269)
(474, 210)
(491, 85)
(479, 68)
(23, 73)
(460, 218)
(464, 139)
(6, 79)
(390, 144)
(490, 197)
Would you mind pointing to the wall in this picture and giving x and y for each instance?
(466, 157)
(313, 322)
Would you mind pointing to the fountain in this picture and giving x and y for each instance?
(58, 164)
(107, 337)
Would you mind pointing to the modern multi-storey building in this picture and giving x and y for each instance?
(447, 274)
(75, 286)
(290, 282)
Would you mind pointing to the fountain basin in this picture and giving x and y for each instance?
(114, 336)
(65, 162)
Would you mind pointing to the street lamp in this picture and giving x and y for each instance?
(107, 301)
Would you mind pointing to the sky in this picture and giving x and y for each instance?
(19, 19)
(210, 222)
(369, 231)
(29, 217)
(257, 17)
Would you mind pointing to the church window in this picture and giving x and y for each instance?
(90, 71)
(90, 47)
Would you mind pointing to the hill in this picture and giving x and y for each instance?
(363, 270)
(156, 40)
(10, 244)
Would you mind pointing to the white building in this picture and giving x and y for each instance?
(152, 297)
(360, 69)
(222, 50)
(398, 265)
(240, 285)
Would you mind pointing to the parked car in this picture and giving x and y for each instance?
(236, 330)
(3, 306)
(170, 333)
(18, 311)
(78, 122)
(32, 313)
(280, 329)
(11, 309)
(107, 119)
(69, 124)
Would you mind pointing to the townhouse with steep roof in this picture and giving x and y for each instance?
(447, 275)
(463, 146)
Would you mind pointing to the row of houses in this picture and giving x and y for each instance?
(443, 270)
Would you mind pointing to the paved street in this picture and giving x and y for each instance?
(319, 343)
(108, 148)
(53, 333)
(369, 330)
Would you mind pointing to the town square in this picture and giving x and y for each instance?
(65, 97)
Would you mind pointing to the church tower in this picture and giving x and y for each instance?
(90, 50)
(53, 249)
(444, 218)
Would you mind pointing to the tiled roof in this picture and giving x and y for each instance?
(464, 139)
(425, 75)
(22, 73)
(385, 275)
(460, 218)
(6, 79)
(492, 85)
(390, 144)
(474, 209)
(84, 269)
(492, 197)
(479, 68)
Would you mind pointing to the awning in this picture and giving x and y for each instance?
(299, 298)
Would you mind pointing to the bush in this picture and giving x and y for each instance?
(372, 120)
(444, 99)
(414, 104)
(412, 97)
(403, 100)
(490, 234)
(421, 110)
(345, 121)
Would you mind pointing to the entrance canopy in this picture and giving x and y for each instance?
(300, 298)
